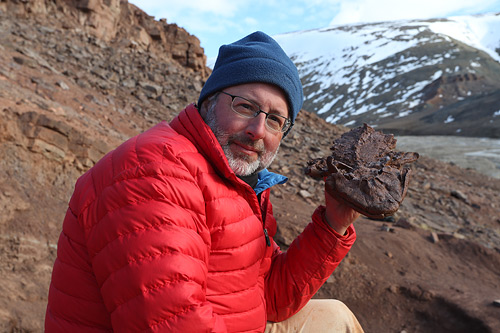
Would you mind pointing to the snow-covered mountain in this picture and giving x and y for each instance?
(438, 76)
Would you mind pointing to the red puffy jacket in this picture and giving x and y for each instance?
(160, 235)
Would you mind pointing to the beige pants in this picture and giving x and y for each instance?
(319, 315)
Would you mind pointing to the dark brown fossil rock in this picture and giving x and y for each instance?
(365, 172)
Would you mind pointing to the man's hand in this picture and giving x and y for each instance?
(338, 215)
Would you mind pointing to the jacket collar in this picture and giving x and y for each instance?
(190, 124)
(268, 179)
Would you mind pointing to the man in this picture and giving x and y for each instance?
(172, 231)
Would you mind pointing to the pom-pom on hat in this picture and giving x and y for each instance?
(255, 58)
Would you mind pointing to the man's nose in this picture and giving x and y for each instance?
(256, 128)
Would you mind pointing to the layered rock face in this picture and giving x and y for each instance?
(117, 21)
(76, 79)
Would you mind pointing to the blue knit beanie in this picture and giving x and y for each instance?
(255, 58)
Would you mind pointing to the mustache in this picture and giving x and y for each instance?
(225, 139)
(257, 145)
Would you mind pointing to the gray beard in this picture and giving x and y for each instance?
(240, 165)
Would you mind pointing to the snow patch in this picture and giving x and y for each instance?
(448, 120)
(403, 114)
(364, 59)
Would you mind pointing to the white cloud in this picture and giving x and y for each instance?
(172, 8)
(250, 21)
(355, 11)
(217, 22)
(201, 16)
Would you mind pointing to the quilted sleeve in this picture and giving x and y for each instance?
(147, 243)
(297, 274)
(149, 249)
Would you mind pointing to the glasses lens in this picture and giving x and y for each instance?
(249, 109)
(275, 122)
(244, 107)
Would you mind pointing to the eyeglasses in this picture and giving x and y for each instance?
(249, 109)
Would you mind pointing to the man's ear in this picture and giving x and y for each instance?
(202, 109)
(206, 104)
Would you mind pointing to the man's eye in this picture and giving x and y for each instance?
(247, 106)
(244, 106)
(276, 119)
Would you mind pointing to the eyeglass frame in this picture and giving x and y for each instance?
(288, 121)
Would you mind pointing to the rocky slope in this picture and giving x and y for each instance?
(70, 92)
(418, 77)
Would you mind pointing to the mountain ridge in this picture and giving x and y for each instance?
(394, 74)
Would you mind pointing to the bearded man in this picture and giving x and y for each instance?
(173, 230)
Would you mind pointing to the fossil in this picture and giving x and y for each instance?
(365, 171)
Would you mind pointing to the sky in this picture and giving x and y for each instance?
(217, 22)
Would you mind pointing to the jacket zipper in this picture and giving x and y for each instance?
(268, 241)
